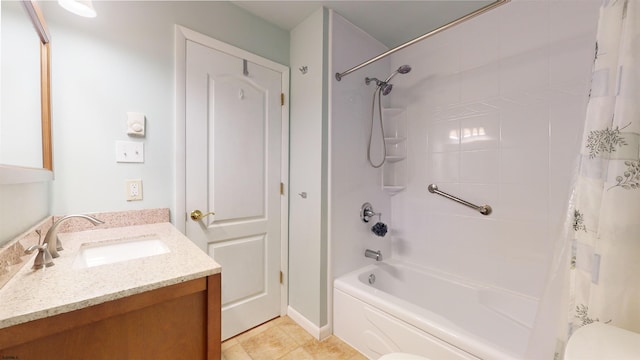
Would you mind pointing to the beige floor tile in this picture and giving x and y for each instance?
(229, 343)
(255, 331)
(297, 333)
(283, 339)
(329, 349)
(358, 356)
(270, 344)
(235, 352)
(282, 320)
(297, 354)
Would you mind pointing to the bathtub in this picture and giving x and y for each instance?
(412, 309)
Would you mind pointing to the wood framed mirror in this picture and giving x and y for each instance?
(14, 171)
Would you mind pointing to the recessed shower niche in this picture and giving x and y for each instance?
(394, 171)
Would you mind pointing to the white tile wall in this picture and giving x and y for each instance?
(495, 111)
(352, 180)
(480, 166)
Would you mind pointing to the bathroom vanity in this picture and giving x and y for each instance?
(160, 306)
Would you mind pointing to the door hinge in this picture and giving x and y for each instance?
(282, 99)
(281, 188)
(281, 278)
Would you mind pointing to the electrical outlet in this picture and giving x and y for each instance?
(133, 189)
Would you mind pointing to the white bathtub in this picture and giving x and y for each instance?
(415, 310)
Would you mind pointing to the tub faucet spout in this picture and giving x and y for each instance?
(373, 254)
(51, 239)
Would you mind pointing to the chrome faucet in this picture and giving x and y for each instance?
(51, 239)
(373, 254)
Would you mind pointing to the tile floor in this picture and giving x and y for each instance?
(283, 339)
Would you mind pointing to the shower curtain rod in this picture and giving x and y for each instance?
(471, 15)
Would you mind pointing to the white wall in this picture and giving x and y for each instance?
(307, 222)
(121, 61)
(520, 73)
(353, 180)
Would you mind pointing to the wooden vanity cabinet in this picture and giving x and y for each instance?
(181, 321)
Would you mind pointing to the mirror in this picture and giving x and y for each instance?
(25, 121)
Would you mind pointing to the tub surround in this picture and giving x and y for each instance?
(32, 295)
(12, 256)
(494, 114)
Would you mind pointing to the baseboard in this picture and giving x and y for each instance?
(319, 333)
(325, 332)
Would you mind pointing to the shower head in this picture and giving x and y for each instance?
(401, 70)
(386, 88)
(404, 69)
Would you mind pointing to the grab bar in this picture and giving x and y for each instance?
(484, 209)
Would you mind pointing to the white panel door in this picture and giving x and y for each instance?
(233, 163)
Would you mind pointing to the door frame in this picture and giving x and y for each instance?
(182, 34)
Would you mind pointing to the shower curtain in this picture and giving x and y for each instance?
(596, 271)
(604, 276)
(604, 269)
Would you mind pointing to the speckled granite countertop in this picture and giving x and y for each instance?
(32, 295)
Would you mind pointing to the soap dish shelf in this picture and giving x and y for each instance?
(393, 189)
(394, 170)
(392, 159)
(394, 140)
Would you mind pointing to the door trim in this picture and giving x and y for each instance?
(182, 34)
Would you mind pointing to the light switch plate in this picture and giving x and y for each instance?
(129, 152)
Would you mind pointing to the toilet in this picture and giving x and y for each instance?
(401, 356)
(602, 341)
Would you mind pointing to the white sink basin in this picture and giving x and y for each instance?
(91, 255)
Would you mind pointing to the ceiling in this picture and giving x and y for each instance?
(390, 22)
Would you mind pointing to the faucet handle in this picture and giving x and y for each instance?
(32, 248)
(43, 259)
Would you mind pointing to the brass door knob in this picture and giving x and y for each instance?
(197, 215)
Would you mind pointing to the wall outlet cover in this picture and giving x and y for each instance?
(133, 189)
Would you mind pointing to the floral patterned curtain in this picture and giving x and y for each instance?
(604, 276)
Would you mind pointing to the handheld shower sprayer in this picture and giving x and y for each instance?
(384, 88)
(401, 70)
